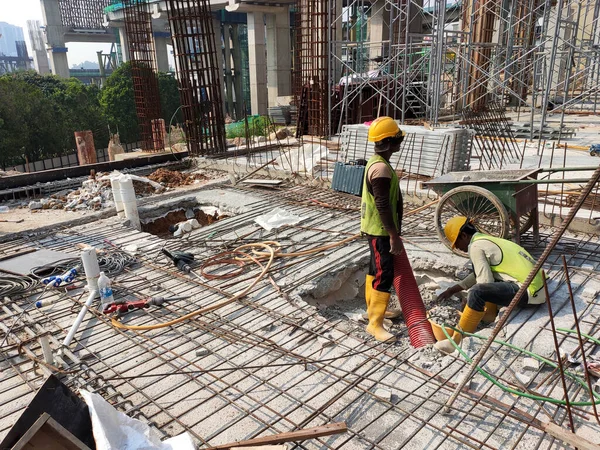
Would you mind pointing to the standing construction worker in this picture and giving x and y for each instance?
(499, 268)
(381, 222)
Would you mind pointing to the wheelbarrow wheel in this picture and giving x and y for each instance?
(483, 208)
(525, 223)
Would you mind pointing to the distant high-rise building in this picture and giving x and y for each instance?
(9, 36)
(13, 50)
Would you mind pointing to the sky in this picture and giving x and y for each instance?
(18, 12)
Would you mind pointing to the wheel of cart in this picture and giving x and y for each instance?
(496, 202)
(483, 208)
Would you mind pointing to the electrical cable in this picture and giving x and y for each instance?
(540, 358)
(218, 305)
(269, 254)
(14, 285)
(111, 262)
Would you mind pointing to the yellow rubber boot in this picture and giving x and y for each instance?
(368, 289)
(491, 311)
(391, 314)
(468, 322)
(377, 306)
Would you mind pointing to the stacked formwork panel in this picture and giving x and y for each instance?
(198, 73)
(138, 26)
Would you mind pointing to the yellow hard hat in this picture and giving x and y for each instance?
(384, 127)
(453, 227)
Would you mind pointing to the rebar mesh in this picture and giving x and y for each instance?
(83, 14)
(314, 26)
(197, 69)
(138, 26)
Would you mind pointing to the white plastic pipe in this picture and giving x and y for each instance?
(185, 227)
(79, 319)
(116, 190)
(129, 201)
(46, 349)
(91, 268)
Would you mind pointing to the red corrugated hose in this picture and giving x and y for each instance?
(413, 309)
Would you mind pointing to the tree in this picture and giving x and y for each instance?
(117, 100)
(75, 107)
(118, 103)
(169, 98)
(27, 122)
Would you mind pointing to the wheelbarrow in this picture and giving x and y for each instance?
(502, 203)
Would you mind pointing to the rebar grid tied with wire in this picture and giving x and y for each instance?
(138, 28)
(195, 48)
(254, 364)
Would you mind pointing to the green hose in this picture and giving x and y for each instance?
(534, 355)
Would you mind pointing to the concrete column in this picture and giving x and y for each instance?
(40, 62)
(124, 45)
(55, 38)
(162, 53)
(279, 59)
(257, 63)
(379, 29)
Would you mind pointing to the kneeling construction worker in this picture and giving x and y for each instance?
(499, 268)
(381, 222)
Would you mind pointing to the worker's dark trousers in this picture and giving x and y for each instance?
(501, 293)
(382, 263)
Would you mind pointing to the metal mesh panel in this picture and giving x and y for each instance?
(197, 70)
(138, 26)
(83, 14)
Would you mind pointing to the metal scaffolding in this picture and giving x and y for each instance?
(431, 60)
(194, 44)
(138, 27)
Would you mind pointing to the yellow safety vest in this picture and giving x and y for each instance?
(370, 222)
(516, 262)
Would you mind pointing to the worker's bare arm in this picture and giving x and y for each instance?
(449, 292)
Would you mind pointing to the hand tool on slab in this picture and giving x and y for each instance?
(181, 260)
(121, 308)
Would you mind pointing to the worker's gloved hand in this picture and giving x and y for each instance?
(396, 246)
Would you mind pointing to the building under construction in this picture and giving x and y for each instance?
(214, 291)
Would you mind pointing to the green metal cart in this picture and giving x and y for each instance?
(501, 203)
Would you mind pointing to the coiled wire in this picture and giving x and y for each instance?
(14, 285)
(111, 262)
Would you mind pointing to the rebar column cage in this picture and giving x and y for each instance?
(138, 27)
(194, 45)
(315, 24)
(83, 14)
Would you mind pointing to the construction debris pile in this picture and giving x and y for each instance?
(94, 194)
(444, 315)
(9, 173)
(170, 178)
